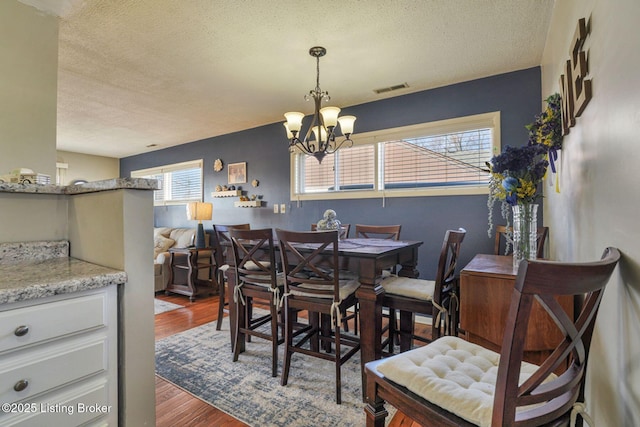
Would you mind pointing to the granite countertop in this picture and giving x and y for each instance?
(27, 280)
(90, 187)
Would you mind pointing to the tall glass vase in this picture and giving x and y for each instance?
(525, 230)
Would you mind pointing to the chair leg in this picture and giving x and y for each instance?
(249, 316)
(406, 330)
(221, 299)
(337, 362)
(274, 338)
(325, 331)
(394, 330)
(345, 322)
(314, 321)
(288, 343)
(236, 347)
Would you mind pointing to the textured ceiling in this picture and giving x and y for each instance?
(167, 72)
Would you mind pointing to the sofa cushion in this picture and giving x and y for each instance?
(184, 237)
(161, 244)
(162, 231)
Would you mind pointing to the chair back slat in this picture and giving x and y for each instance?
(222, 240)
(541, 282)
(391, 232)
(309, 269)
(447, 263)
(254, 256)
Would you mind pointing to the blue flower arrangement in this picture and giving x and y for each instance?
(515, 174)
(514, 179)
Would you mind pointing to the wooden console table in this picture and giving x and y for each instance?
(195, 261)
(486, 286)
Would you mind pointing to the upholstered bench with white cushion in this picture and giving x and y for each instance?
(452, 373)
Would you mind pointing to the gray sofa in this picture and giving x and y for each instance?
(165, 238)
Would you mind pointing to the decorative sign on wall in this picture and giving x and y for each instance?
(575, 88)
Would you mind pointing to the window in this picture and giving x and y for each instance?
(439, 158)
(179, 183)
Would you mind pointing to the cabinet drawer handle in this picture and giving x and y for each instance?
(21, 331)
(21, 385)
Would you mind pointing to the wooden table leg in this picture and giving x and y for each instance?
(369, 295)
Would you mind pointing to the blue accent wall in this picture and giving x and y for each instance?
(516, 95)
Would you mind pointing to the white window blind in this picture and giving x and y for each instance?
(179, 183)
(349, 169)
(437, 158)
(450, 159)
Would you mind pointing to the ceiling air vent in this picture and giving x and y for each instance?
(391, 88)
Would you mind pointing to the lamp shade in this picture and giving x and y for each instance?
(330, 116)
(346, 124)
(294, 121)
(199, 211)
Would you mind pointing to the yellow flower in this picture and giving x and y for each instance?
(526, 190)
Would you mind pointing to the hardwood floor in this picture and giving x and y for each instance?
(175, 406)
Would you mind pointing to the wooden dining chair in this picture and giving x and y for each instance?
(391, 232)
(350, 316)
(221, 243)
(344, 229)
(452, 382)
(503, 235)
(312, 283)
(426, 297)
(257, 279)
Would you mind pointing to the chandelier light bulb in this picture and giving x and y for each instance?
(346, 124)
(294, 121)
(289, 134)
(323, 133)
(330, 116)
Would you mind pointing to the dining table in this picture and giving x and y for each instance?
(369, 258)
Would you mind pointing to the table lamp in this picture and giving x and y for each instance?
(199, 211)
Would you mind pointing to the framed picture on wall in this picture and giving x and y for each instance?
(237, 173)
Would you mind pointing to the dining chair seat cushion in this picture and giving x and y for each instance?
(454, 374)
(408, 287)
(250, 265)
(347, 287)
(279, 279)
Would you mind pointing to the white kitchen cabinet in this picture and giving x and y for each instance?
(59, 360)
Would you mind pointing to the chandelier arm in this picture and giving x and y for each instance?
(336, 148)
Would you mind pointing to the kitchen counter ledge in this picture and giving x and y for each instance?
(26, 280)
(89, 187)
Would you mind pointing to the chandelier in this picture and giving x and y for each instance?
(320, 138)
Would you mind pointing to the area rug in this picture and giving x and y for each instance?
(200, 361)
(160, 306)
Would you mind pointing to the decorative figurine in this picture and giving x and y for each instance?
(328, 221)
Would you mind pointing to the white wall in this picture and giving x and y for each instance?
(28, 88)
(88, 167)
(598, 201)
(115, 229)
